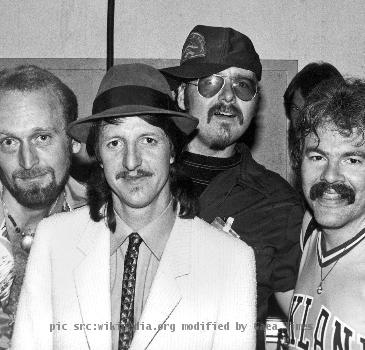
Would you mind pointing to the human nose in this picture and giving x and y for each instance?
(132, 157)
(227, 93)
(332, 172)
(28, 156)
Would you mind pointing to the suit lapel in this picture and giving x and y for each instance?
(92, 281)
(168, 286)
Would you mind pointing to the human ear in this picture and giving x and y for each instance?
(76, 146)
(181, 96)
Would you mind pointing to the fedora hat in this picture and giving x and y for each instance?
(132, 90)
(209, 50)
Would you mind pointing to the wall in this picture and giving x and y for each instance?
(303, 30)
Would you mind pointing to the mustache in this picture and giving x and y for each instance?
(343, 190)
(220, 108)
(26, 174)
(139, 173)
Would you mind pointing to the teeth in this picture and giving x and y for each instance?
(331, 195)
(225, 114)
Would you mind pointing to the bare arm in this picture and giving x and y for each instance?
(284, 299)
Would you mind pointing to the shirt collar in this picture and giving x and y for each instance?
(154, 235)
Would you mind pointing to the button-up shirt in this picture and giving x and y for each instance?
(154, 236)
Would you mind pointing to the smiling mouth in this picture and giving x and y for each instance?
(332, 199)
(225, 115)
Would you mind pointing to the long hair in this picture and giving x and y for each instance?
(99, 192)
(339, 104)
(30, 78)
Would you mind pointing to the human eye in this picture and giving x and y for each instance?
(212, 80)
(43, 139)
(354, 160)
(243, 83)
(113, 144)
(315, 157)
(8, 144)
(148, 140)
(294, 108)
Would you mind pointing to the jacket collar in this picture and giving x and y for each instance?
(251, 173)
(169, 285)
(91, 276)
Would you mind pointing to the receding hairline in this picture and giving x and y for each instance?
(53, 100)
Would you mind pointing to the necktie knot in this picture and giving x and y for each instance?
(134, 240)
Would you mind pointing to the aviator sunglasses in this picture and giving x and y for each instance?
(244, 88)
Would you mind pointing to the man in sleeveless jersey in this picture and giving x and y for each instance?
(327, 309)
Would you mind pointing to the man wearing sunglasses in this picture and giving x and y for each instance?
(217, 83)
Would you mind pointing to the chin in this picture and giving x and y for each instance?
(330, 220)
(138, 203)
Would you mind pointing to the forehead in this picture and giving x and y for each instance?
(130, 127)
(234, 71)
(298, 99)
(330, 140)
(20, 111)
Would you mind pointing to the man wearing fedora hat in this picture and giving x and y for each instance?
(135, 269)
(217, 83)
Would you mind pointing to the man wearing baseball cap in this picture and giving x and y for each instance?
(135, 269)
(217, 83)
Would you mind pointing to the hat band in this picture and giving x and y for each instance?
(131, 95)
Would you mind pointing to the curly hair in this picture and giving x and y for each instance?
(99, 192)
(338, 103)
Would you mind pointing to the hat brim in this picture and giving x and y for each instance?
(79, 129)
(175, 75)
(195, 71)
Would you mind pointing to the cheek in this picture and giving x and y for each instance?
(60, 156)
(248, 108)
(161, 162)
(309, 174)
(7, 166)
(197, 104)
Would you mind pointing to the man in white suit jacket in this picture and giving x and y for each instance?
(199, 293)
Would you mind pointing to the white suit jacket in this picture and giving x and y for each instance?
(203, 276)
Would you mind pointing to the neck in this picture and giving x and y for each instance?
(137, 218)
(336, 237)
(23, 216)
(197, 147)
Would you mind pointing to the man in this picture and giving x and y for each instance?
(327, 307)
(219, 74)
(135, 270)
(35, 158)
(294, 98)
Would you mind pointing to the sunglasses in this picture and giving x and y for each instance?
(244, 88)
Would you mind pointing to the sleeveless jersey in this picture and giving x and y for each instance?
(334, 319)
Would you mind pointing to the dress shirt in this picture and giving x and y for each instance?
(155, 236)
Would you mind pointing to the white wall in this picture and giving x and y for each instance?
(306, 30)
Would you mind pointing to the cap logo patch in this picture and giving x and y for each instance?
(194, 47)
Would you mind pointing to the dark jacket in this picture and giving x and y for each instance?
(267, 215)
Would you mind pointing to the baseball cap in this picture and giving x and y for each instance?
(209, 50)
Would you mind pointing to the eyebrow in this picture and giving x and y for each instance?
(346, 154)
(314, 149)
(236, 76)
(33, 131)
(354, 153)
